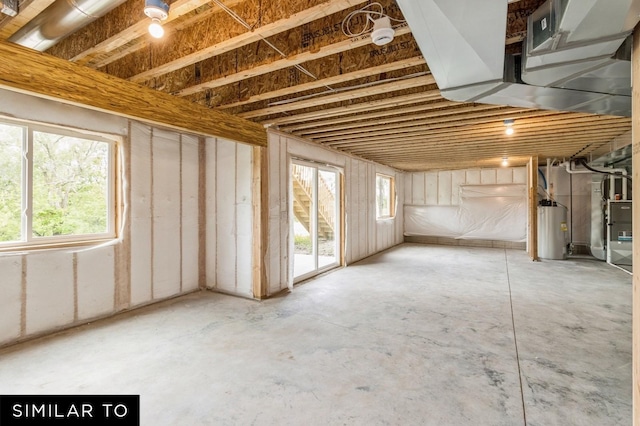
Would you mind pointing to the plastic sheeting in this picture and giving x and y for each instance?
(486, 212)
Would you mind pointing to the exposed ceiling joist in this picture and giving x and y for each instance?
(28, 11)
(337, 79)
(295, 20)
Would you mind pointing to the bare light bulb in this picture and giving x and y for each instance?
(509, 131)
(155, 29)
(505, 161)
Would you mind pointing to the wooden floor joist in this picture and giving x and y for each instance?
(293, 60)
(246, 38)
(342, 78)
(46, 76)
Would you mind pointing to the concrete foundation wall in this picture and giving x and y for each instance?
(364, 234)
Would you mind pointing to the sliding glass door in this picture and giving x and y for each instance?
(316, 218)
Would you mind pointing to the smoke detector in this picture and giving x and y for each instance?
(382, 32)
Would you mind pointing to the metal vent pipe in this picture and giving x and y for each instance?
(59, 20)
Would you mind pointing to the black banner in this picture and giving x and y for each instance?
(69, 410)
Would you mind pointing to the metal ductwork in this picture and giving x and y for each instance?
(61, 19)
(576, 56)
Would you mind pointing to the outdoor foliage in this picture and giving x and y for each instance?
(70, 178)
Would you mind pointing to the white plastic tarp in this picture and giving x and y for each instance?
(486, 212)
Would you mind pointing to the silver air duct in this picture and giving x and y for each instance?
(59, 20)
(576, 53)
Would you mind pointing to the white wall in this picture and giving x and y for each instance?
(161, 251)
(229, 224)
(442, 188)
(364, 234)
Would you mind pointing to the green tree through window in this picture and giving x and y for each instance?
(61, 182)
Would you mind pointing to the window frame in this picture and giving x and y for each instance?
(30, 242)
(392, 196)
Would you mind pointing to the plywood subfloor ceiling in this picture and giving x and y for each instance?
(293, 69)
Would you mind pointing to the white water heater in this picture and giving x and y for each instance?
(552, 232)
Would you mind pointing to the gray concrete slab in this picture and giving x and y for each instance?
(418, 335)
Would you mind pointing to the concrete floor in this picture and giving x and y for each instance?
(419, 335)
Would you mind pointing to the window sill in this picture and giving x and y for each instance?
(60, 245)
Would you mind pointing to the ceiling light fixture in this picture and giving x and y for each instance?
(158, 11)
(505, 161)
(382, 32)
(509, 130)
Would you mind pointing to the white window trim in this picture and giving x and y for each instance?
(29, 242)
(392, 197)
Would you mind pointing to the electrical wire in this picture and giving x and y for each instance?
(604, 172)
(368, 25)
(244, 23)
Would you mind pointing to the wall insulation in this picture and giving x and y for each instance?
(480, 204)
(160, 251)
(364, 235)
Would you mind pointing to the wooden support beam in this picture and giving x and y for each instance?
(28, 11)
(397, 101)
(338, 79)
(322, 52)
(27, 71)
(260, 195)
(362, 123)
(295, 20)
(393, 86)
(136, 31)
(532, 240)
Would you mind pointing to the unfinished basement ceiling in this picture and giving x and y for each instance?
(377, 102)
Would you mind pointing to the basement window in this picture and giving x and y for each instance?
(385, 199)
(56, 186)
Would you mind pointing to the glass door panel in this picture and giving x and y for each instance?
(316, 223)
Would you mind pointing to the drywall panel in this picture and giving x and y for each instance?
(10, 297)
(244, 220)
(96, 282)
(226, 229)
(504, 175)
(418, 188)
(488, 176)
(444, 188)
(458, 177)
(140, 214)
(211, 172)
(166, 213)
(50, 291)
(189, 170)
(473, 177)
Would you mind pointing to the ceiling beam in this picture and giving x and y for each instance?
(321, 52)
(401, 122)
(329, 81)
(377, 89)
(397, 101)
(319, 126)
(28, 11)
(28, 71)
(294, 20)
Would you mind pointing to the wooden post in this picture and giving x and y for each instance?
(260, 221)
(533, 207)
(635, 122)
